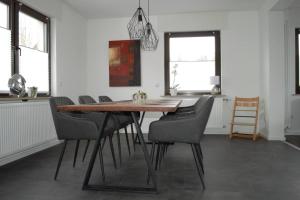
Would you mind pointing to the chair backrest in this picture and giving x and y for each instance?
(54, 102)
(202, 113)
(85, 99)
(246, 110)
(200, 102)
(105, 99)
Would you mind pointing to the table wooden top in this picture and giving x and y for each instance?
(159, 105)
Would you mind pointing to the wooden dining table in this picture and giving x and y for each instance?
(156, 105)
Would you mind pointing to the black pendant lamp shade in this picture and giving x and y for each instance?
(136, 26)
(150, 39)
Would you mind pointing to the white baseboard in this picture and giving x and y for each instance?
(294, 146)
(28, 151)
(276, 138)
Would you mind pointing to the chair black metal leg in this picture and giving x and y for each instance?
(76, 152)
(200, 156)
(200, 150)
(60, 158)
(119, 147)
(127, 140)
(101, 164)
(85, 150)
(161, 155)
(197, 165)
(151, 158)
(157, 156)
(132, 134)
(152, 151)
(112, 151)
(103, 143)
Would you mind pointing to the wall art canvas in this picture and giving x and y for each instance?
(124, 63)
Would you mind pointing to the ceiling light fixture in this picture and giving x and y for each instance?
(136, 28)
(150, 38)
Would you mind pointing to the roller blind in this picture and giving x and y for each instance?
(5, 47)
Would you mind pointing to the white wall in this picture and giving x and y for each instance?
(264, 70)
(276, 76)
(239, 53)
(272, 71)
(70, 51)
(68, 47)
(239, 44)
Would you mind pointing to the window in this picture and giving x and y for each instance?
(191, 58)
(25, 33)
(5, 47)
(297, 41)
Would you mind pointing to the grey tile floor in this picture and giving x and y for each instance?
(237, 169)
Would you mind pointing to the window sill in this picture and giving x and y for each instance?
(192, 96)
(22, 99)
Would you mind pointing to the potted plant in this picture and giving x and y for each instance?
(174, 87)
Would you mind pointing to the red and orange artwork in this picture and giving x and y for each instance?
(124, 63)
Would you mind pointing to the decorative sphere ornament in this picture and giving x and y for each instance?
(16, 85)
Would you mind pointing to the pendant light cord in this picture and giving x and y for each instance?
(139, 3)
(148, 11)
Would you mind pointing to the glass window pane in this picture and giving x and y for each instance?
(192, 76)
(34, 68)
(4, 10)
(192, 48)
(192, 63)
(32, 32)
(5, 58)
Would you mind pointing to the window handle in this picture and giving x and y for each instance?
(18, 49)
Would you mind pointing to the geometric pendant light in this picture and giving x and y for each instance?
(136, 26)
(150, 38)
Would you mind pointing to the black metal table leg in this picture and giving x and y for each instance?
(122, 188)
(94, 154)
(140, 123)
(145, 150)
(142, 119)
(136, 140)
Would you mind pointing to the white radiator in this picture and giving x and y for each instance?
(216, 115)
(24, 129)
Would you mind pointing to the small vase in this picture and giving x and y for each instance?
(173, 91)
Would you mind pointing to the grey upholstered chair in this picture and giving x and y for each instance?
(182, 128)
(78, 126)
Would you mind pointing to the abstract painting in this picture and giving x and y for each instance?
(124, 63)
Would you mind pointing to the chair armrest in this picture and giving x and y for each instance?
(177, 116)
(97, 118)
(69, 127)
(186, 129)
(183, 110)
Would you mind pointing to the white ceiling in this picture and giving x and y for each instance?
(126, 8)
(285, 4)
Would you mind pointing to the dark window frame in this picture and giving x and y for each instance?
(297, 85)
(169, 35)
(14, 8)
